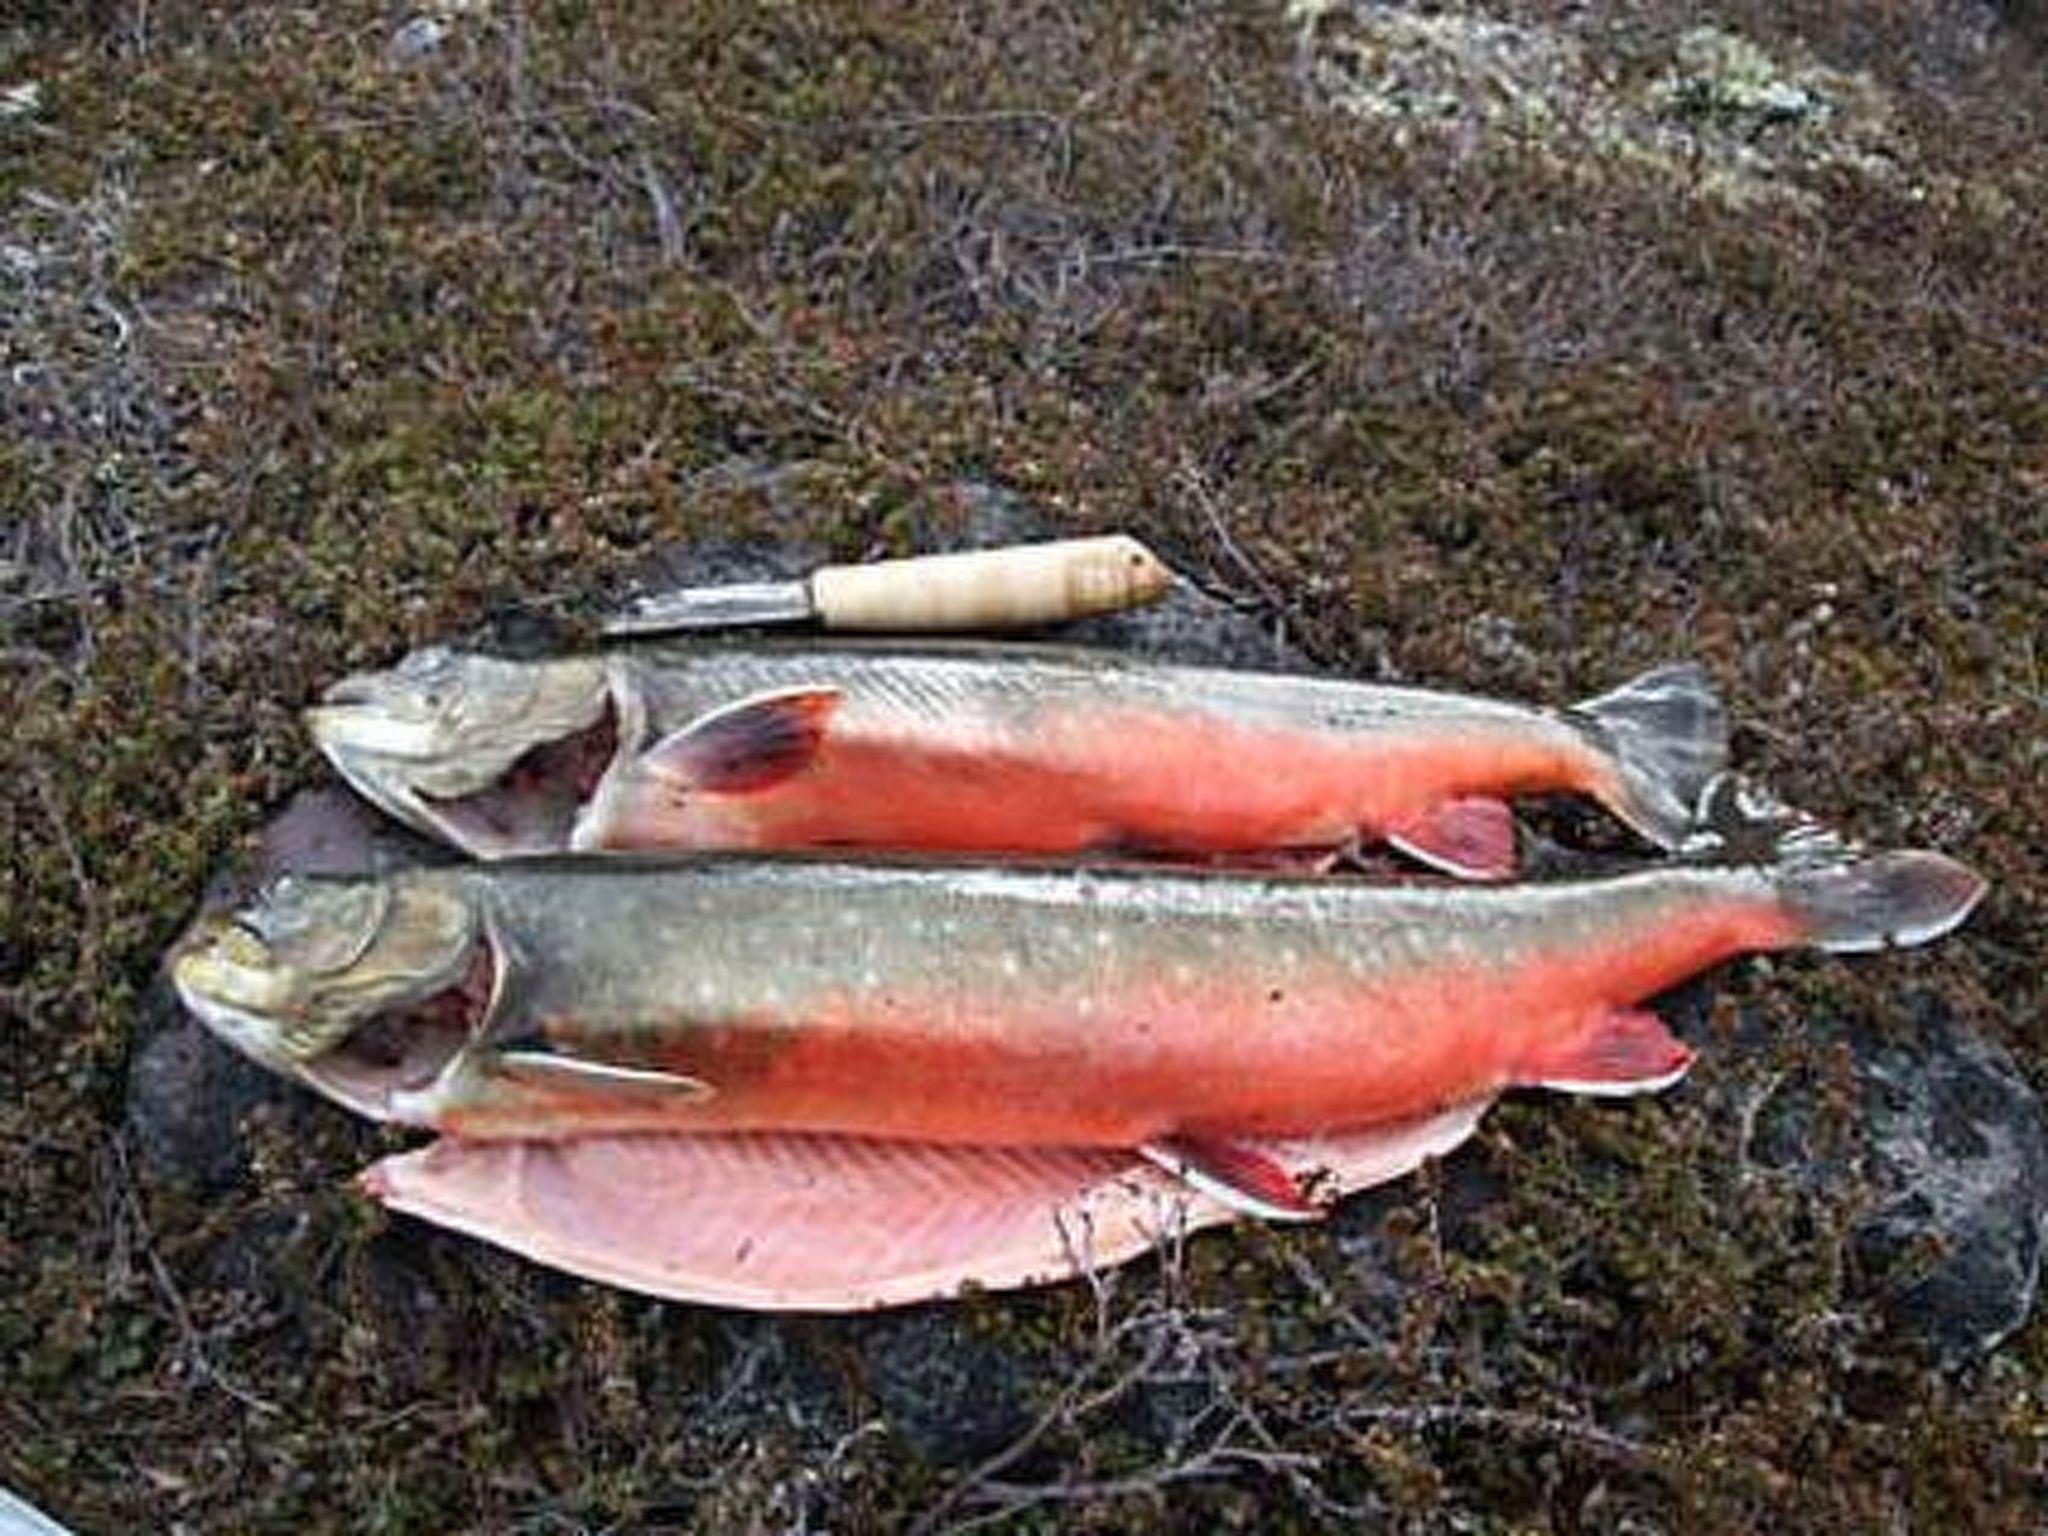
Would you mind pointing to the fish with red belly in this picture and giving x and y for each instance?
(977, 749)
(1064, 1040)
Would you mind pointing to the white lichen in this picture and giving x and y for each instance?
(1712, 114)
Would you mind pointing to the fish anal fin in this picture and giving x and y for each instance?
(746, 747)
(1238, 1174)
(1472, 837)
(1614, 1054)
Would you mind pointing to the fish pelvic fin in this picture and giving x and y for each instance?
(1615, 1054)
(1472, 838)
(746, 747)
(1667, 736)
(1235, 1174)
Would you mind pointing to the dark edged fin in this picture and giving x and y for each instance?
(1879, 901)
(552, 1074)
(1622, 1052)
(1239, 1175)
(1472, 838)
(746, 747)
(1668, 735)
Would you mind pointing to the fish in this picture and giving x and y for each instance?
(723, 1013)
(955, 747)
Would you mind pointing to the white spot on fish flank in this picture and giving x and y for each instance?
(1012, 966)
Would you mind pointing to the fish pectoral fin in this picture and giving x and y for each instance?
(1614, 1054)
(1239, 1175)
(552, 1073)
(746, 747)
(1472, 837)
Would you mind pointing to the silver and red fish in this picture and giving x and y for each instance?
(991, 750)
(647, 1067)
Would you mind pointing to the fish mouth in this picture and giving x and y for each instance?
(401, 765)
(384, 1067)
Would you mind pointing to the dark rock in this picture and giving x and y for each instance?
(187, 1094)
(952, 1396)
(1951, 1142)
(1958, 1145)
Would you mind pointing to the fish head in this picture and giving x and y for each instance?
(357, 987)
(490, 755)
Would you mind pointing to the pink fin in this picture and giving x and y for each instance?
(792, 1222)
(1623, 1052)
(1473, 838)
(1237, 1173)
(836, 1223)
(749, 746)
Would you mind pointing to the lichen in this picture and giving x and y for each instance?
(1709, 113)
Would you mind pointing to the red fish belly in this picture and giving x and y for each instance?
(1244, 1047)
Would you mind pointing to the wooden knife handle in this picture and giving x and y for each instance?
(993, 588)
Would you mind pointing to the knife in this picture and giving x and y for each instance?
(1011, 588)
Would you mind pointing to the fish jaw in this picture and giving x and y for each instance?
(214, 988)
(301, 979)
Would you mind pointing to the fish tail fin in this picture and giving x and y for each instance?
(1844, 898)
(1880, 901)
(1667, 736)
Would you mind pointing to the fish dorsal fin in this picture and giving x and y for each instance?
(746, 747)
(552, 1073)
(1614, 1054)
(1238, 1174)
(1472, 837)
